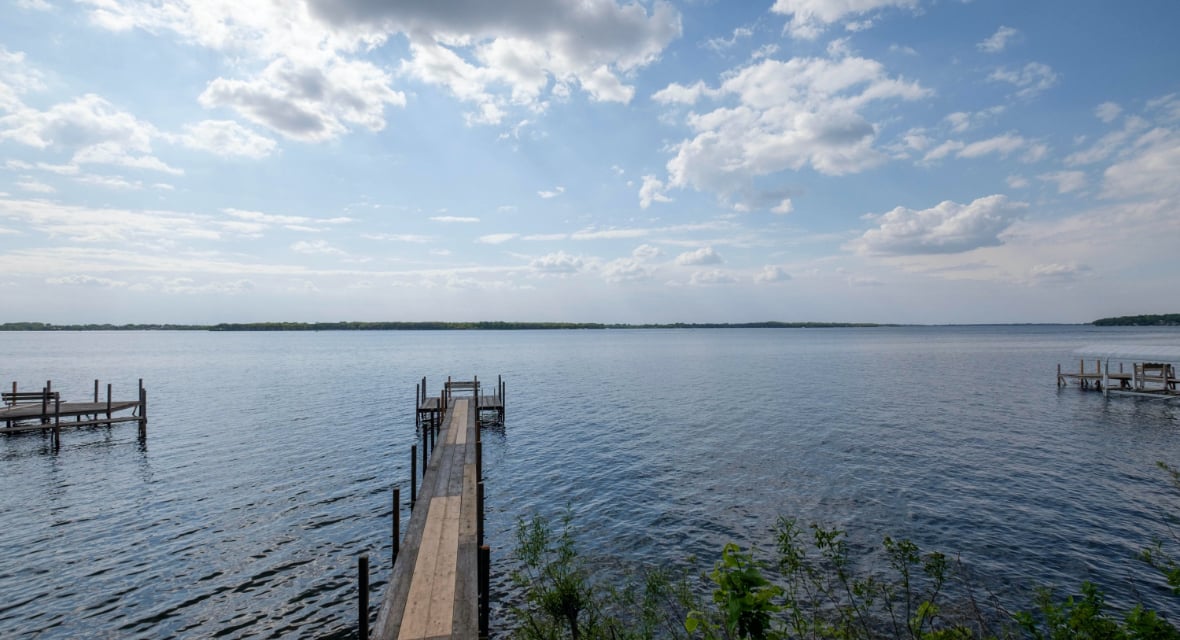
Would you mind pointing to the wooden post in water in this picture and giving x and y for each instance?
(417, 407)
(57, 423)
(397, 522)
(108, 402)
(485, 571)
(45, 393)
(425, 436)
(362, 570)
(142, 409)
(96, 391)
(413, 475)
(479, 512)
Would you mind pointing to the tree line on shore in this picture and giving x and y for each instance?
(1150, 320)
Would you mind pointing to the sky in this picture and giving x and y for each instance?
(901, 161)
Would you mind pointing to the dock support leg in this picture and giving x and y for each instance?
(485, 570)
(362, 570)
(397, 523)
(413, 474)
(479, 513)
(142, 411)
(57, 424)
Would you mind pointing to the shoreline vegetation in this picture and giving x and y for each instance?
(1156, 320)
(816, 585)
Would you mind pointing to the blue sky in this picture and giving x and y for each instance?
(914, 161)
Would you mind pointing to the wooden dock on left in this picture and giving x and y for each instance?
(45, 410)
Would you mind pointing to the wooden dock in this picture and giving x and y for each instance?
(1148, 379)
(44, 410)
(439, 584)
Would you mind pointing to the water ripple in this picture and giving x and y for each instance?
(269, 462)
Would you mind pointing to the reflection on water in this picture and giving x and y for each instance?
(270, 459)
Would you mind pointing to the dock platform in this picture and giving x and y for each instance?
(45, 410)
(1147, 373)
(439, 582)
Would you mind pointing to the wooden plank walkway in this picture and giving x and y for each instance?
(433, 592)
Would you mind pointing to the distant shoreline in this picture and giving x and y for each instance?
(426, 326)
(1160, 320)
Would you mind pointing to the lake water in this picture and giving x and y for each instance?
(270, 457)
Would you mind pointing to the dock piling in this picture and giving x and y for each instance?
(485, 570)
(362, 570)
(413, 474)
(143, 415)
(397, 522)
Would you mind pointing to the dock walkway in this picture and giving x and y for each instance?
(45, 410)
(434, 589)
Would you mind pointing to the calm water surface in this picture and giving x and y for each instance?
(270, 458)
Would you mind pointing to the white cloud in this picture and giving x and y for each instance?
(653, 190)
(711, 277)
(497, 238)
(117, 226)
(646, 252)
(1167, 106)
(461, 219)
(551, 194)
(961, 121)
(784, 207)
(35, 186)
(265, 220)
(93, 128)
(226, 138)
(626, 270)
(1058, 273)
(316, 247)
(805, 111)
(113, 153)
(1109, 144)
(1017, 182)
(943, 150)
(1067, 181)
(411, 238)
(677, 93)
(949, 227)
(998, 41)
(721, 44)
(79, 280)
(510, 54)
(772, 273)
(809, 18)
(1001, 145)
(560, 263)
(609, 234)
(16, 79)
(34, 5)
(1034, 78)
(1107, 111)
(702, 256)
(110, 182)
(309, 102)
(1150, 169)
